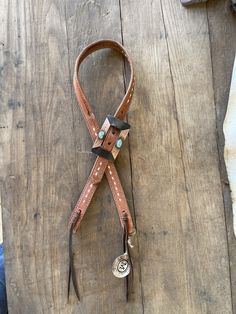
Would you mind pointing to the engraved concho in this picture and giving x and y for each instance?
(121, 266)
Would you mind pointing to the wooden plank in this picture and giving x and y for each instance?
(102, 78)
(176, 180)
(38, 163)
(229, 130)
(223, 47)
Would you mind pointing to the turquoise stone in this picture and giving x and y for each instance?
(119, 143)
(101, 135)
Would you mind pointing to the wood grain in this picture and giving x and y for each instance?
(39, 155)
(223, 47)
(182, 231)
(169, 167)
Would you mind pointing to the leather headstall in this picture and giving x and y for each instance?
(108, 140)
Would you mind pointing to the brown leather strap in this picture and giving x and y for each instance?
(72, 274)
(115, 130)
(102, 165)
(128, 279)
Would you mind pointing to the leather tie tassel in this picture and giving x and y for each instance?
(108, 141)
(71, 268)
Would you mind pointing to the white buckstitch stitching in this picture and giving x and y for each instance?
(118, 194)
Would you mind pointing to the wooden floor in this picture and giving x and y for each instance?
(172, 166)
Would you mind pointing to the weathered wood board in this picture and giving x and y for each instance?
(169, 167)
(229, 129)
(223, 47)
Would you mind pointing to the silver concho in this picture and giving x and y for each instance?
(121, 266)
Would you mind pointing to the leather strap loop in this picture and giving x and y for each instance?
(84, 104)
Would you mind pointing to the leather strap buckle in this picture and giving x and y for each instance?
(110, 138)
